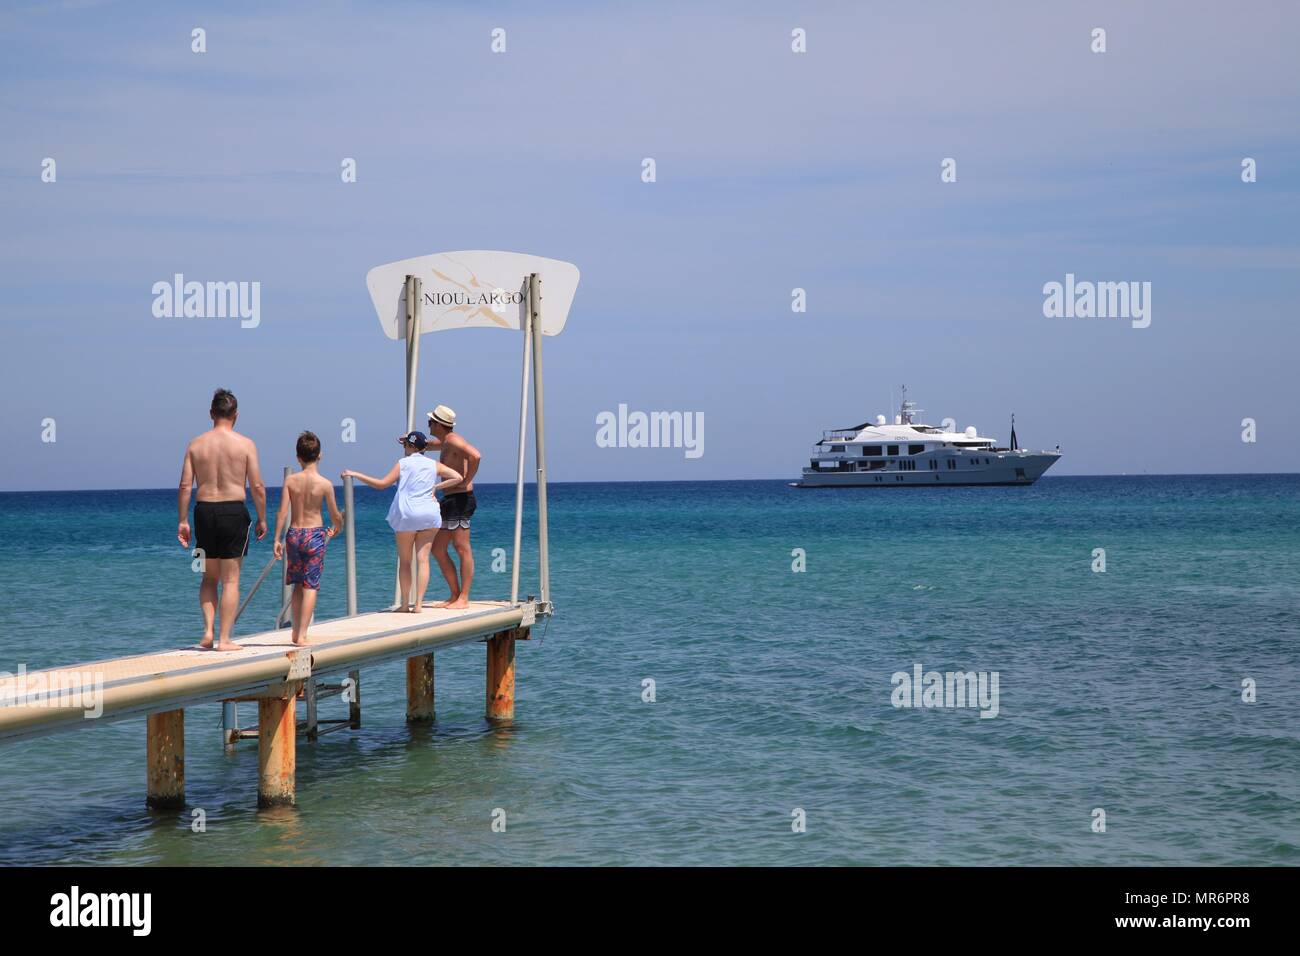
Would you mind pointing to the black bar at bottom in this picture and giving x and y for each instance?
(944, 906)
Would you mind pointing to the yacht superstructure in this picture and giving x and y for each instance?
(908, 453)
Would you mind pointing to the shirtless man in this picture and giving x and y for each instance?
(220, 462)
(458, 505)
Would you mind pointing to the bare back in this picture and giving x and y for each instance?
(455, 456)
(221, 460)
(307, 491)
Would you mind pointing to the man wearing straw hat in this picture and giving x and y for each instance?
(458, 504)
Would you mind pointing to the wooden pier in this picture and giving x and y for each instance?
(270, 671)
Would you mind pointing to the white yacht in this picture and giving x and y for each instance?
(908, 453)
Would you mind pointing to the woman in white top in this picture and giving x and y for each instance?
(414, 516)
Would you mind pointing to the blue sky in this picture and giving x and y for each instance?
(775, 170)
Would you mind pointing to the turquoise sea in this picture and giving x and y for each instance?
(1119, 690)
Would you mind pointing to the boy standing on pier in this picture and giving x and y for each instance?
(305, 541)
(220, 462)
(458, 504)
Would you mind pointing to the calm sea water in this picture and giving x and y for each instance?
(1119, 690)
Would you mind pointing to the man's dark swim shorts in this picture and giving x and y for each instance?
(221, 528)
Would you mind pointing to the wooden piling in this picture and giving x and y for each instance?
(501, 676)
(276, 748)
(419, 689)
(166, 755)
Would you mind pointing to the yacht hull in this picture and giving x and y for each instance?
(1006, 470)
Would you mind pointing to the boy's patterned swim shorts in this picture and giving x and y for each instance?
(304, 549)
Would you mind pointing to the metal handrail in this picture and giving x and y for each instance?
(249, 596)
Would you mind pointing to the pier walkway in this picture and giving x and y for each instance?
(267, 669)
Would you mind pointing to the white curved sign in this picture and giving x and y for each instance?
(474, 289)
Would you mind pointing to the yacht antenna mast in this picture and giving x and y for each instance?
(907, 411)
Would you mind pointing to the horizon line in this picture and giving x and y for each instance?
(696, 481)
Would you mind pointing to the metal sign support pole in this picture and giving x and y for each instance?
(350, 557)
(543, 555)
(523, 441)
(414, 293)
(413, 314)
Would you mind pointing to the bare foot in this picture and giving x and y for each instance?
(229, 646)
(457, 605)
(447, 603)
(206, 643)
(303, 643)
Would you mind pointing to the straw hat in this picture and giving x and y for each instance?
(443, 416)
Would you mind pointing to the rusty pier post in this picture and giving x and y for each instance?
(419, 689)
(501, 676)
(166, 756)
(277, 761)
